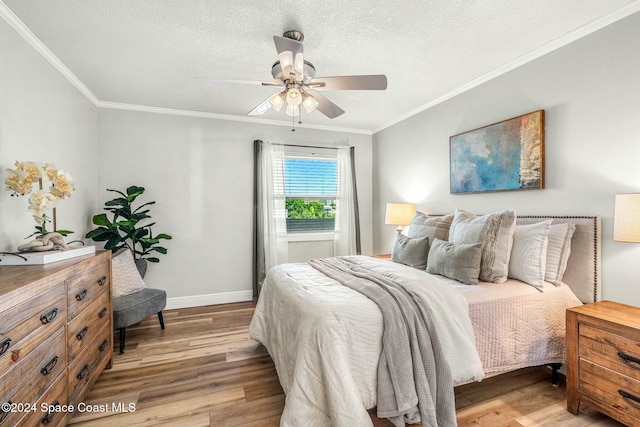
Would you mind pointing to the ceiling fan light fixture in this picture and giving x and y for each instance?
(292, 110)
(294, 96)
(286, 62)
(309, 103)
(276, 101)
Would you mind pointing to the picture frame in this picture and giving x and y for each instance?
(503, 156)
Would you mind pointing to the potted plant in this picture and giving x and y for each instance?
(124, 228)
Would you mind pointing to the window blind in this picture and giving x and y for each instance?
(311, 187)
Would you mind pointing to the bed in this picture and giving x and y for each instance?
(326, 339)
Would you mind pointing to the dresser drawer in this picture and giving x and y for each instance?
(25, 382)
(56, 396)
(610, 350)
(24, 326)
(86, 325)
(84, 287)
(616, 391)
(89, 363)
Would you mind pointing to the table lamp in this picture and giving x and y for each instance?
(399, 214)
(626, 221)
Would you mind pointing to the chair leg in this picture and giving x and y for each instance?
(121, 340)
(161, 319)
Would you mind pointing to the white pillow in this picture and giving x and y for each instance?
(558, 251)
(529, 253)
(495, 232)
(125, 278)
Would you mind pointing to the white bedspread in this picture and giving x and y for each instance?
(325, 339)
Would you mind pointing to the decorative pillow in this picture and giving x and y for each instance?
(124, 274)
(558, 251)
(529, 253)
(411, 252)
(495, 232)
(430, 226)
(459, 262)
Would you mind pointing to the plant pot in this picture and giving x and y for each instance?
(141, 265)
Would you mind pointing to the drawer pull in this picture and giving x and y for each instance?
(102, 280)
(49, 316)
(103, 346)
(6, 413)
(82, 333)
(630, 399)
(84, 373)
(80, 295)
(4, 346)
(49, 416)
(103, 312)
(630, 361)
(49, 367)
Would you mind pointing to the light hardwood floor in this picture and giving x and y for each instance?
(204, 370)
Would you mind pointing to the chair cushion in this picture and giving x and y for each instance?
(137, 306)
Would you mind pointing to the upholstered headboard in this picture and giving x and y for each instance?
(583, 267)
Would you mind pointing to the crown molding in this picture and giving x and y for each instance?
(19, 26)
(37, 44)
(228, 117)
(568, 38)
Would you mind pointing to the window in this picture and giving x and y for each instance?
(311, 187)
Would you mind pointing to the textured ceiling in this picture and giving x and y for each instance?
(147, 52)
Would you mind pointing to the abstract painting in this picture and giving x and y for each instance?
(508, 155)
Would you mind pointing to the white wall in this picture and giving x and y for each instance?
(590, 91)
(43, 118)
(200, 173)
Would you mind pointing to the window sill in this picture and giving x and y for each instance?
(310, 237)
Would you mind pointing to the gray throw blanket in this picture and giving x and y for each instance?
(414, 379)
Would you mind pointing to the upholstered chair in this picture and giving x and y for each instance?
(133, 301)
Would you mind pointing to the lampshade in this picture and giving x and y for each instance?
(626, 223)
(399, 213)
(292, 110)
(276, 101)
(309, 103)
(294, 97)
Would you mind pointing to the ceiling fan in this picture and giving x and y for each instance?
(297, 79)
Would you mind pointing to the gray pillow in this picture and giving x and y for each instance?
(423, 225)
(411, 252)
(459, 262)
(495, 231)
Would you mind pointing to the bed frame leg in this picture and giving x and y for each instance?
(554, 373)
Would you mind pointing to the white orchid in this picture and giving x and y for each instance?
(20, 181)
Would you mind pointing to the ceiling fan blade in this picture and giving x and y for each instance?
(367, 82)
(325, 106)
(261, 108)
(284, 44)
(276, 82)
(291, 55)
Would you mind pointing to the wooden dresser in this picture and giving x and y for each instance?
(55, 336)
(603, 359)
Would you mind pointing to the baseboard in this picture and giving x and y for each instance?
(208, 299)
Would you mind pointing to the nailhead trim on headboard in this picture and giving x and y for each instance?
(596, 234)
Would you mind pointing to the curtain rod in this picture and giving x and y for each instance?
(307, 146)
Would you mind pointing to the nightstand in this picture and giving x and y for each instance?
(383, 256)
(603, 359)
